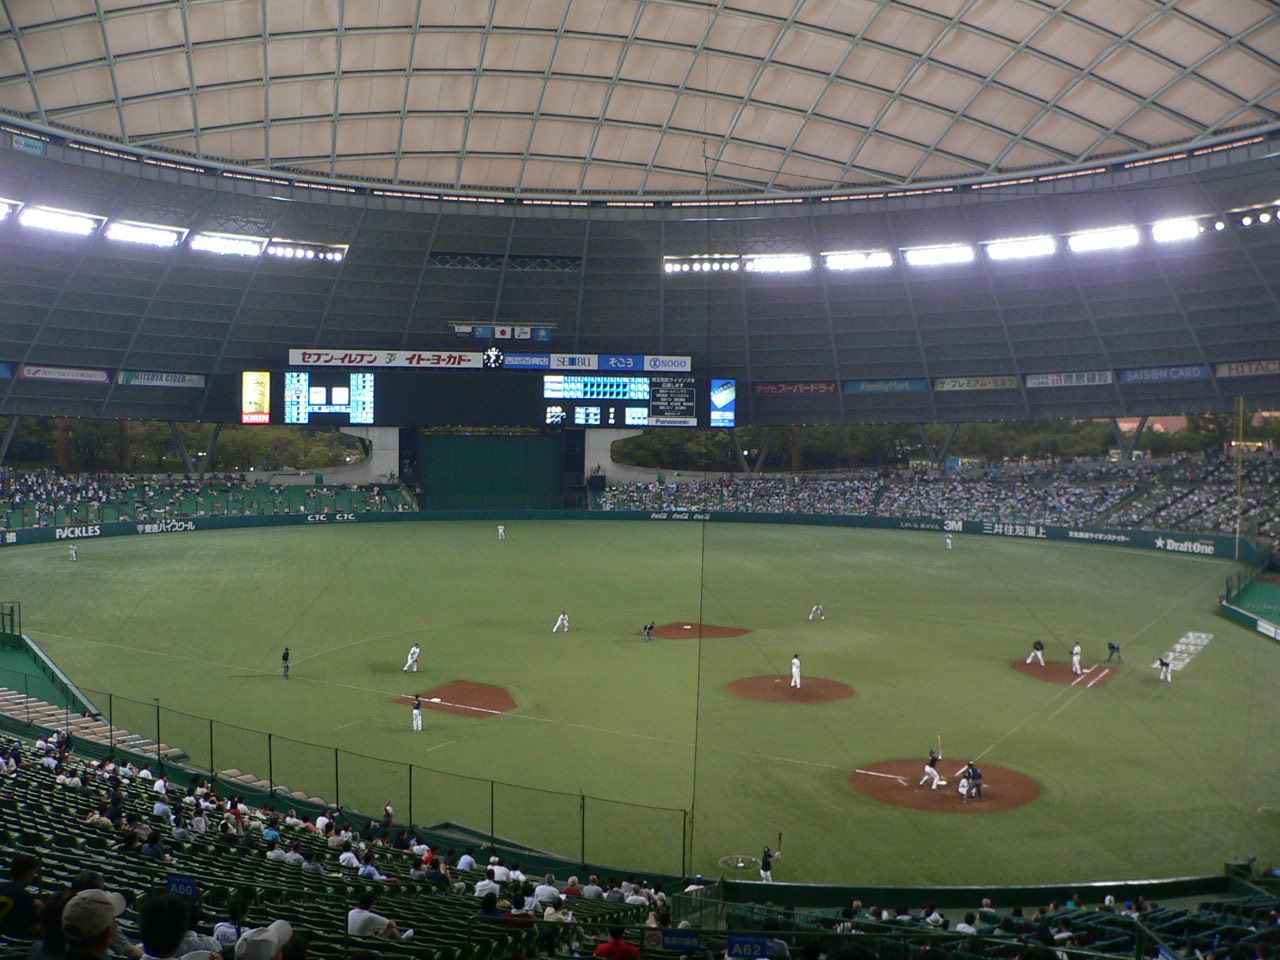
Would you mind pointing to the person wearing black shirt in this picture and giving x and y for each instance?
(1037, 652)
(284, 663)
(648, 630)
(19, 910)
(931, 771)
(1113, 650)
(1166, 669)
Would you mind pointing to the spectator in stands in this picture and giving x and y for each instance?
(489, 908)
(775, 948)
(593, 890)
(153, 849)
(52, 943)
(488, 884)
(89, 924)
(120, 944)
(363, 922)
(274, 852)
(522, 906)
(616, 948)
(298, 947)
(311, 866)
(614, 894)
(571, 888)
(636, 897)
(369, 870)
(547, 891)
(500, 871)
(193, 940)
(98, 819)
(295, 856)
(516, 875)
(22, 919)
(264, 943)
(967, 924)
(229, 930)
(468, 860)
(180, 832)
(164, 920)
(348, 857)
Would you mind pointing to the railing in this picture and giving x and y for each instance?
(574, 828)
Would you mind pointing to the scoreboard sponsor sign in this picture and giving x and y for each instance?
(31, 371)
(1190, 371)
(471, 360)
(898, 385)
(1248, 368)
(793, 388)
(145, 378)
(976, 383)
(1079, 378)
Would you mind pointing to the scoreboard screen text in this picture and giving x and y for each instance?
(590, 400)
(348, 395)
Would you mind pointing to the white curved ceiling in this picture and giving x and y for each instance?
(646, 97)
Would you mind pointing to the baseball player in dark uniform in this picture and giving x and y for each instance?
(284, 663)
(1113, 650)
(973, 775)
(1037, 652)
(931, 771)
(766, 865)
(648, 630)
(1166, 669)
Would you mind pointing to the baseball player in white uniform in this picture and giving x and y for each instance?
(795, 671)
(948, 541)
(502, 531)
(1166, 669)
(1075, 659)
(75, 553)
(931, 771)
(411, 663)
(561, 621)
(417, 714)
(817, 611)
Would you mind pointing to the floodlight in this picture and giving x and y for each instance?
(1246, 221)
(939, 255)
(1219, 225)
(1170, 231)
(146, 234)
(1264, 218)
(1022, 248)
(780, 263)
(228, 244)
(7, 207)
(857, 259)
(1108, 238)
(59, 221)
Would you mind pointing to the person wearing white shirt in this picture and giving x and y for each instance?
(467, 861)
(500, 872)
(487, 885)
(322, 823)
(348, 858)
(363, 922)
(546, 891)
(593, 890)
(967, 925)
(636, 898)
(274, 852)
(161, 785)
(515, 874)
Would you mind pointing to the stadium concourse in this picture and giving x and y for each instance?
(1185, 493)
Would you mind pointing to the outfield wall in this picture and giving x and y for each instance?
(1198, 544)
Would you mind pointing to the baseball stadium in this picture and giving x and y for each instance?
(661, 478)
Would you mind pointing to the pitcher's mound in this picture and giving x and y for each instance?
(778, 689)
(898, 782)
(469, 699)
(1055, 672)
(683, 629)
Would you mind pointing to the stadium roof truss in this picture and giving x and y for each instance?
(646, 98)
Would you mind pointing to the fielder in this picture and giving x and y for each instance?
(795, 672)
(1037, 652)
(412, 662)
(948, 541)
(1166, 669)
(816, 611)
(75, 553)
(561, 621)
(1075, 659)
(417, 714)
(1113, 650)
(931, 771)
(284, 663)
(648, 630)
(971, 778)
(766, 864)
(502, 531)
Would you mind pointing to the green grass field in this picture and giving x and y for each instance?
(1140, 778)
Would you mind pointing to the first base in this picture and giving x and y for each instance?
(688, 626)
(435, 700)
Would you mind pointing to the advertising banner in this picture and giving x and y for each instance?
(1248, 368)
(976, 383)
(901, 385)
(1079, 378)
(255, 396)
(793, 388)
(145, 378)
(1190, 371)
(31, 371)
(427, 359)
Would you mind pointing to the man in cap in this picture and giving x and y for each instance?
(264, 943)
(89, 923)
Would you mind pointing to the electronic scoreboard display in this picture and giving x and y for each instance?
(324, 393)
(601, 400)
(337, 396)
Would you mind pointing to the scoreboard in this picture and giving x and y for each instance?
(331, 396)
(590, 400)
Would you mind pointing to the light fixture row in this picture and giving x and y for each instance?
(1004, 249)
(80, 224)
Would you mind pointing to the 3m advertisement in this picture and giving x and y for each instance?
(1079, 378)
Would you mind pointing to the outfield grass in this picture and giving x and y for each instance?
(1140, 778)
